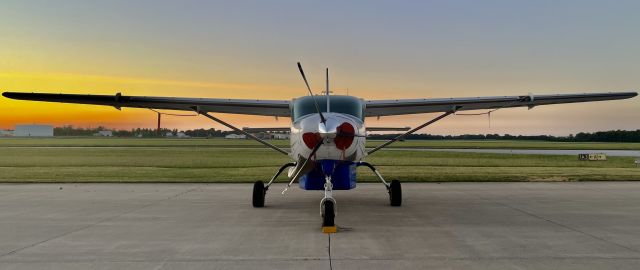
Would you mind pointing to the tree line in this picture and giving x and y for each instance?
(139, 132)
(600, 136)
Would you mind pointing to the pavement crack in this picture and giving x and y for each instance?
(95, 223)
(329, 250)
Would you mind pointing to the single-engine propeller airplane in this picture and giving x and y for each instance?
(328, 132)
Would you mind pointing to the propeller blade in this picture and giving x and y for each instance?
(327, 93)
(311, 93)
(297, 175)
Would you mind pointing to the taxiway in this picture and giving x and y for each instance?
(586, 225)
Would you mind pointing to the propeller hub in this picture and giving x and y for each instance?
(327, 129)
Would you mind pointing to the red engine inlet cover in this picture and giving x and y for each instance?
(311, 139)
(344, 137)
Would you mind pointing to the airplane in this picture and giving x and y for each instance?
(328, 132)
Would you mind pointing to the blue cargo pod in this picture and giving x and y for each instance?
(343, 175)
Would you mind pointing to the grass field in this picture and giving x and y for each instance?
(219, 160)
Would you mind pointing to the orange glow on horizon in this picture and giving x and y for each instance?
(12, 112)
(58, 114)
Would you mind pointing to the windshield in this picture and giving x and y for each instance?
(339, 104)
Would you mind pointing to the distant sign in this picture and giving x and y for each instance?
(637, 162)
(592, 157)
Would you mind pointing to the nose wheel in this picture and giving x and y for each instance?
(328, 213)
(328, 205)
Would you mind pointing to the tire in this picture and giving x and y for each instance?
(328, 219)
(395, 193)
(258, 194)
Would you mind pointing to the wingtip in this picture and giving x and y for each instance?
(629, 94)
(12, 95)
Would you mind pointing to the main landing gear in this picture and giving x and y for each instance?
(394, 188)
(328, 203)
(395, 193)
(260, 190)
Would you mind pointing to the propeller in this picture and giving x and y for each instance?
(322, 119)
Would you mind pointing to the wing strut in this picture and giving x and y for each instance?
(240, 130)
(413, 130)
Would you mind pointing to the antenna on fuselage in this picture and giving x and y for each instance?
(327, 94)
(311, 94)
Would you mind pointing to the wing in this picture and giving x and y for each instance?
(412, 106)
(237, 106)
(267, 129)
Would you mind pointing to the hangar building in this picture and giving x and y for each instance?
(6, 133)
(33, 131)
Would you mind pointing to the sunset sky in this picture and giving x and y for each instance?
(374, 50)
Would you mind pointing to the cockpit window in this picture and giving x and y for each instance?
(339, 104)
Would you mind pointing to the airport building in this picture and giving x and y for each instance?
(280, 136)
(104, 133)
(33, 131)
(235, 136)
(6, 133)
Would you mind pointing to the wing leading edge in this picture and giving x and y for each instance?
(236, 106)
(413, 106)
(282, 107)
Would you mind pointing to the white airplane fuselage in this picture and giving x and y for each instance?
(306, 132)
(340, 140)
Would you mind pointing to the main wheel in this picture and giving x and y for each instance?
(258, 194)
(395, 193)
(329, 214)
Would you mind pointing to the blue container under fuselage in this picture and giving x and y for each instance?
(343, 175)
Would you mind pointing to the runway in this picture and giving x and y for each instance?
(572, 225)
(613, 153)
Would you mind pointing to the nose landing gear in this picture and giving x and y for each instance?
(328, 204)
(328, 208)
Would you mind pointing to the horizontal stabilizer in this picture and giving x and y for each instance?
(267, 129)
(388, 128)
